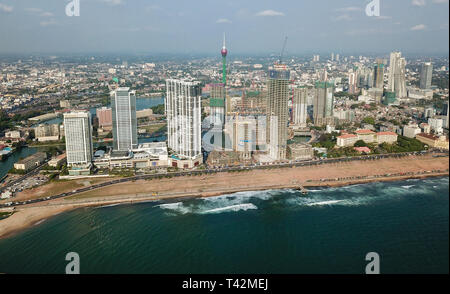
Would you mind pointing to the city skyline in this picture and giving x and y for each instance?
(256, 27)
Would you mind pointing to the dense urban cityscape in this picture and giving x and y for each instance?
(311, 152)
(326, 107)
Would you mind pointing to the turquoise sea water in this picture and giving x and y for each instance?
(277, 231)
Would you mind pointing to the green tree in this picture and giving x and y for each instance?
(360, 143)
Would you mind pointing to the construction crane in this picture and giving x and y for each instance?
(282, 50)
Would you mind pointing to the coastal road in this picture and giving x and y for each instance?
(224, 169)
(31, 173)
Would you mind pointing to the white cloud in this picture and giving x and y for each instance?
(223, 20)
(418, 27)
(46, 13)
(113, 2)
(342, 17)
(419, 2)
(270, 13)
(350, 9)
(38, 11)
(371, 31)
(381, 17)
(47, 23)
(6, 8)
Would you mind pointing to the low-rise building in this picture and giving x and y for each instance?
(346, 140)
(300, 151)
(13, 134)
(362, 149)
(367, 136)
(58, 160)
(64, 104)
(147, 155)
(440, 142)
(386, 137)
(426, 128)
(31, 161)
(411, 130)
(436, 124)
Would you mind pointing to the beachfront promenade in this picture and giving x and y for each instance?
(233, 169)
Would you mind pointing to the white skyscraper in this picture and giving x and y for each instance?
(300, 107)
(78, 132)
(397, 73)
(123, 105)
(183, 111)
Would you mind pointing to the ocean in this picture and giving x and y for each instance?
(328, 231)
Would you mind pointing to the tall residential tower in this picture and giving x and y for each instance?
(277, 111)
(183, 111)
(123, 105)
(78, 132)
(300, 107)
(378, 79)
(397, 75)
(425, 75)
(323, 103)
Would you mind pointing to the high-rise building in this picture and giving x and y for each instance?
(47, 132)
(332, 56)
(183, 111)
(104, 116)
(323, 74)
(397, 72)
(299, 108)
(323, 103)
(123, 105)
(78, 132)
(426, 73)
(277, 111)
(217, 105)
(378, 71)
(352, 82)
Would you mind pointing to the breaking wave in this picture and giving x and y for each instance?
(237, 207)
(355, 195)
(329, 202)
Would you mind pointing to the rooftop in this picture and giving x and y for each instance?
(387, 134)
(346, 136)
(362, 132)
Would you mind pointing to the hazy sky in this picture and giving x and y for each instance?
(196, 26)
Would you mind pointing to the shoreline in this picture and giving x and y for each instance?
(33, 215)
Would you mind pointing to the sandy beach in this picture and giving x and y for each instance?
(327, 175)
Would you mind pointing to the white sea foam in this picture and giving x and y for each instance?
(176, 207)
(239, 196)
(329, 202)
(408, 186)
(110, 205)
(237, 207)
(40, 222)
